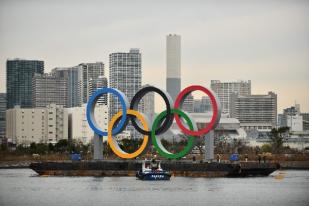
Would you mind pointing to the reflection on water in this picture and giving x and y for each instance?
(24, 187)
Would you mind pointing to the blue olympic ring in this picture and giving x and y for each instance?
(91, 105)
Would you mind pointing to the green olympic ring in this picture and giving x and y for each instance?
(158, 144)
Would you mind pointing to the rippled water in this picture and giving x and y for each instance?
(24, 187)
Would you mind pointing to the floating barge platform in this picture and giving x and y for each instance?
(129, 168)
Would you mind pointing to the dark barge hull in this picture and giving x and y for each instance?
(129, 168)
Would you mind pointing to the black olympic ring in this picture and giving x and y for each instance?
(168, 121)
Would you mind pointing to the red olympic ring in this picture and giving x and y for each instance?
(215, 107)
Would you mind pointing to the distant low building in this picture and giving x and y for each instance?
(280, 120)
(2, 115)
(292, 118)
(295, 123)
(305, 121)
(226, 130)
(299, 143)
(39, 125)
(188, 104)
(255, 112)
(79, 129)
(201, 105)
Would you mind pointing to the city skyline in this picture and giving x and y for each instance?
(100, 98)
(264, 43)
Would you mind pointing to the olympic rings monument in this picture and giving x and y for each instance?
(160, 125)
(172, 115)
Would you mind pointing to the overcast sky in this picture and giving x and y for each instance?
(264, 41)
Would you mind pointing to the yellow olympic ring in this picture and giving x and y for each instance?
(113, 143)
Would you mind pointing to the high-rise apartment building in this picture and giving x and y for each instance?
(173, 64)
(19, 81)
(91, 71)
(74, 77)
(49, 89)
(225, 89)
(39, 125)
(98, 83)
(256, 112)
(82, 81)
(2, 114)
(125, 74)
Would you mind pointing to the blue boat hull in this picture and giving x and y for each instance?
(153, 176)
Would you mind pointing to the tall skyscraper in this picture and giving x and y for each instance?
(255, 112)
(98, 83)
(19, 81)
(74, 77)
(149, 108)
(125, 74)
(91, 71)
(2, 115)
(49, 89)
(225, 89)
(173, 64)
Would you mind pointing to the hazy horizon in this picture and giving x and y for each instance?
(265, 42)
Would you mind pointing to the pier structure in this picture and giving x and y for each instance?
(97, 147)
(209, 146)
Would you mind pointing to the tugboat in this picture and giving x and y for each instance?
(151, 170)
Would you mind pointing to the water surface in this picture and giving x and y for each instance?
(24, 187)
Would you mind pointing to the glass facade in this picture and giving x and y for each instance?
(19, 81)
(98, 83)
(91, 71)
(73, 75)
(125, 74)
